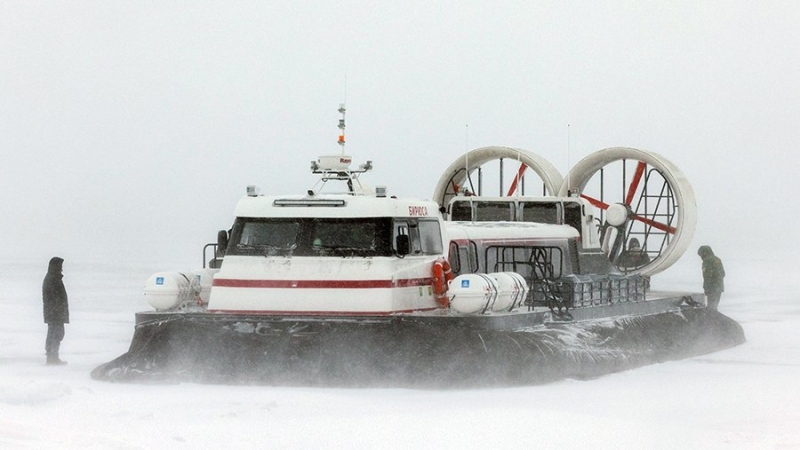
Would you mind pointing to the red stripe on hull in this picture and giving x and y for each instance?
(322, 284)
(317, 313)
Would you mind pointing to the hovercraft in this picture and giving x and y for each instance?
(360, 288)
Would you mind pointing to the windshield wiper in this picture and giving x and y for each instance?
(274, 250)
(343, 250)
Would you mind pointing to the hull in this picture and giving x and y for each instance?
(421, 351)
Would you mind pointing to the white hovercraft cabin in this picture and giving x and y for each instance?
(329, 254)
(361, 253)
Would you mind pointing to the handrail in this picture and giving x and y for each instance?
(213, 245)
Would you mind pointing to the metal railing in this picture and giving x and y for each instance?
(206, 259)
(587, 291)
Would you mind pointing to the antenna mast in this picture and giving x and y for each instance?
(466, 158)
(342, 125)
(569, 162)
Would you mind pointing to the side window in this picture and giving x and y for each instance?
(430, 237)
(540, 212)
(470, 253)
(531, 262)
(510, 259)
(547, 262)
(461, 211)
(413, 233)
(400, 227)
(425, 236)
(493, 211)
(573, 215)
(491, 259)
(463, 258)
(408, 227)
(455, 259)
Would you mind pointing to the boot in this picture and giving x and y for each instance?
(55, 361)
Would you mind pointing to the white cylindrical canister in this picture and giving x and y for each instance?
(523, 289)
(473, 293)
(507, 291)
(167, 290)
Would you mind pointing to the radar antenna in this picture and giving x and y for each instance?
(337, 167)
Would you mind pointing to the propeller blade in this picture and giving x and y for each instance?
(595, 202)
(637, 177)
(513, 187)
(658, 225)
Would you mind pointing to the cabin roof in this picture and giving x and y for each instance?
(334, 205)
(509, 230)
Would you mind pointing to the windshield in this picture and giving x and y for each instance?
(311, 237)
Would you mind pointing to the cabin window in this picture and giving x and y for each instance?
(472, 257)
(455, 261)
(311, 237)
(407, 227)
(343, 237)
(267, 234)
(461, 211)
(431, 237)
(532, 262)
(425, 236)
(494, 211)
(573, 215)
(540, 212)
(463, 258)
(484, 211)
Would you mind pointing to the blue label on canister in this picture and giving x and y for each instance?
(159, 281)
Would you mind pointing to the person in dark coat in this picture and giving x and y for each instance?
(56, 309)
(713, 276)
(634, 256)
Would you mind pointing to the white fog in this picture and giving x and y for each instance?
(129, 130)
(744, 397)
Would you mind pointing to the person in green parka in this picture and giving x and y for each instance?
(56, 309)
(713, 276)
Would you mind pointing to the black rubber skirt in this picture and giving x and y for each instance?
(408, 352)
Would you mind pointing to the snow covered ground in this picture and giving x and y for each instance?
(745, 397)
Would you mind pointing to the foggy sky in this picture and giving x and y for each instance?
(128, 130)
